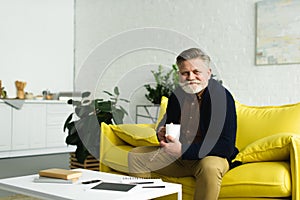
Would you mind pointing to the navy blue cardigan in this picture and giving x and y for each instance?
(217, 122)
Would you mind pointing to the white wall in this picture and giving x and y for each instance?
(107, 33)
(37, 45)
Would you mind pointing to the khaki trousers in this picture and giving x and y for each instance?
(208, 172)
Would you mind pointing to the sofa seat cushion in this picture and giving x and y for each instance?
(261, 179)
(117, 158)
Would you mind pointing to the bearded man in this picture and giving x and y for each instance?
(206, 146)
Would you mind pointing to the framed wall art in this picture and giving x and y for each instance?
(277, 32)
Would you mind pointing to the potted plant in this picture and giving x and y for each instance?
(165, 84)
(84, 124)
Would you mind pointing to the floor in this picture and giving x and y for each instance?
(18, 197)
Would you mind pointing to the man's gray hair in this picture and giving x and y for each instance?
(191, 54)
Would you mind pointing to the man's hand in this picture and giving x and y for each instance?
(172, 147)
(161, 134)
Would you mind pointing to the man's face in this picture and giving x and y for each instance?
(194, 75)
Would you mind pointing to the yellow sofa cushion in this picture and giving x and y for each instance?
(255, 122)
(271, 148)
(162, 110)
(261, 179)
(136, 134)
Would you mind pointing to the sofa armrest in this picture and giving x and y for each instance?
(295, 167)
(109, 139)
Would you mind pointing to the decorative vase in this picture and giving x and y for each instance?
(20, 89)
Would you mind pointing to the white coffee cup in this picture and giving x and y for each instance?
(173, 130)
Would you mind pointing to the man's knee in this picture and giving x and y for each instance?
(212, 166)
(135, 156)
(138, 158)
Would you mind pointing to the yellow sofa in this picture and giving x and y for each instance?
(269, 141)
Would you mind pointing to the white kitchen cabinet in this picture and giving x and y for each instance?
(35, 129)
(56, 116)
(5, 132)
(29, 124)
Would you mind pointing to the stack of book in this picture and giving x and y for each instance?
(56, 175)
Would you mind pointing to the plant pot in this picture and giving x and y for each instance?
(90, 163)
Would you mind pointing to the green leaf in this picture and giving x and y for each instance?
(105, 106)
(91, 133)
(85, 94)
(104, 117)
(87, 128)
(83, 124)
(76, 103)
(118, 116)
(68, 121)
(125, 100)
(84, 111)
(81, 153)
(86, 101)
(123, 110)
(175, 67)
(110, 94)
(98, 100)
(116, 91)
(72, 129)
(72, 139)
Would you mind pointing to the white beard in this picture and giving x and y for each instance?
(191, 89)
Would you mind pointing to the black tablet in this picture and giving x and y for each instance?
(114, 186)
